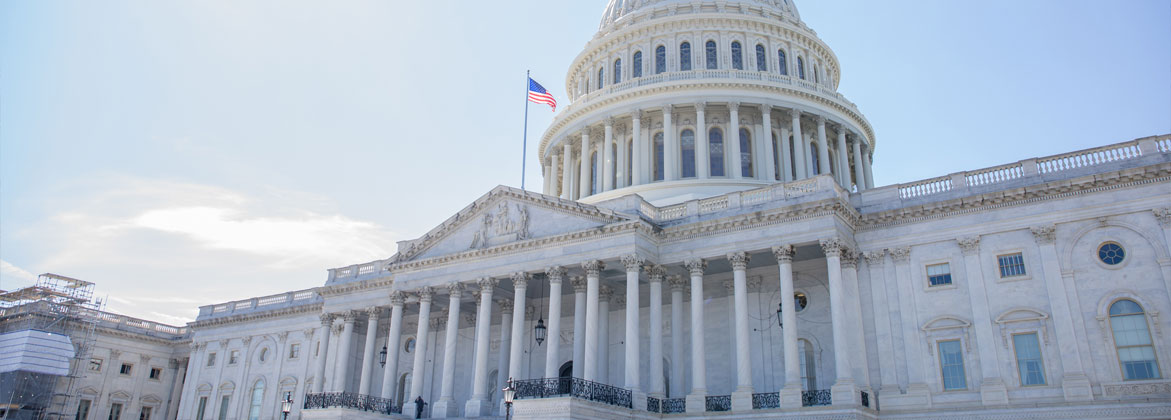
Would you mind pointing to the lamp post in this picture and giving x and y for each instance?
(287, 405)
(382, 357)
(509, 394)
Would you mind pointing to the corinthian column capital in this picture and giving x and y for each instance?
(593, 267)
(784, 253)
(633, 262)
(555, 274)
(1044, 235)
(739, 260)
(695, 266)
(970, 245)
(832, 247)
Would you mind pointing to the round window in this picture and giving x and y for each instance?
(800, 300)
(1111, 253)
(410, 346)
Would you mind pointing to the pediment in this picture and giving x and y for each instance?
(1021, 315)
(505, 215)
(945, 322)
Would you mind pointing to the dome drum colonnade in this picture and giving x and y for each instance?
(591, 298)
(669, 120)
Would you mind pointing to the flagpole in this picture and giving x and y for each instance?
(525, 143)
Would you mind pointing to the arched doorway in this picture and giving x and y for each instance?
(566, 370)
(564, 378)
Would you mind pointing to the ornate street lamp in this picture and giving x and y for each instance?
(780, 309)
(509, 394)
(540, 332)
(382, 357)
(287, 405)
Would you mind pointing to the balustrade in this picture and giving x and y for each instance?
(766, 400)
(350, 400)
(815, 398)
(718, 403)
(573, 387)
(674, 405)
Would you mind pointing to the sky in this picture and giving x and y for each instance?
(186, 153)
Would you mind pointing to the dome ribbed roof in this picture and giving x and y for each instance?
(616, 10)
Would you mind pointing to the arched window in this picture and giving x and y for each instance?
(257, 399)
(737, 56)
(816, 74)
(687, 152)
(629, 162)
(793, 157)
(595, 174)
(493, 379)
(745, 153)
(1132, 339)
(658, 161)
(801, 68)
(816, 164)
(710, 55)
(781, 64)
(775, 158)
(636, 70)
(660, 59)
(404, 385)
(618, 71)
(761, 60)
(614, 158)
(685, 56)
(715, 139)
(601, 77)
(808, 366)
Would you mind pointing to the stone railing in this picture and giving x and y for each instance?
(357, 271)
(104, 319)
(1045, 166)
(775, 192)
(263, 303)
(352, 401)
(575, 388)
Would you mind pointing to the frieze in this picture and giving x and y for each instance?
(1131, 389)
(502, 226)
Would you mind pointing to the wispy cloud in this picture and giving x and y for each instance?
(14, 277)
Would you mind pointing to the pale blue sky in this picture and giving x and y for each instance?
(185, 153)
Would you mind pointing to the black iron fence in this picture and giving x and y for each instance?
(654, 405)
(674, 405)
(718, 403)
(573, 387)
(816, 397)
(766, 400)
(350, 400)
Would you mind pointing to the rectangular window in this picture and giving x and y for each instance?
(145, 414)
(210, 359)
(224, 407)
(1028, 358)
(951, 365)
(115, 411)
(233, 357)
(125, 369)
(156, 373)
(1011, 265)
(939, 274)
(294, 350)
(95, 365)
(202, 407)
(82, 410)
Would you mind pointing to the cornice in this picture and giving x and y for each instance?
(140, 336)
(314, 308)
(350, 287)
(752, 220)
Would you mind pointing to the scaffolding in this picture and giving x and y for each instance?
(60, 305)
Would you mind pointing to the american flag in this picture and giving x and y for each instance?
(538, 94)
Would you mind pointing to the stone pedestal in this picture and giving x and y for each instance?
(444, 408)
(1077, 388)
(742, 401)
(473, 408)
(993, 392)
(409, 409)
(638, 400)
(791, 396)
(845, 394)
(917, 396)
(696, 403)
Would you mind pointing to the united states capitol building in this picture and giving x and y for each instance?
(709, 242)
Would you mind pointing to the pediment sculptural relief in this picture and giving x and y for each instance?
(505, 224)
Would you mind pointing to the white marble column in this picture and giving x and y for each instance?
(369, 352)
(889, 382)
(341, 374)
(822, 148)
(1163, 216)
(552, 351)
(638, 159)
(783, 156)
(843, 159)
(917, 394)
(605, 294)
(696, 400)
(623, 161)
(857, 333)
(319, 371)
(1074, 383)
(655, 279)
(520, 284)
(507, 307)
(742, 397)
(633, 264)
(393, 340)
(859, 172)
(607, 156)
(703, 159)
(579, 325)
(566, 167)
(791, 391)
(732, 141)
(419, 365)
(769, 168)
(479, 405)
(585, 181)
(593, 269)
(866, 164)
(802, 155)
(445, 406)
(844, 390)
(677, 285)
(554, 173)
(992, 388)
(670, 146)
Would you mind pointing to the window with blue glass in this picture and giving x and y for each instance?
(1111, 253)
(685, 56)
(595, 174)
(601, 78)
(781, 64)
(801, 68)
(745, 153)
(658, 144)
(687, 152)
(737, 56)
(814, 159)
(939, 274)
(1132, 340)
(715, 139)
(951, 365)
(710, 55)
(618, 70)
(1028, 359)
(636, 70)
(761, 60)
(1011, 265)
(816, 74)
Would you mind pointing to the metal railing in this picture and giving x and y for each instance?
(718, 403)
(654, 405)
(817, 397)
(674, 405)
(766, 400)
(350, 400)
(573, 387)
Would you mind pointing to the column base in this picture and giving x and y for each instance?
(1077, 387)
(742, 401)
(845, 393)
(638, 400)
(409, 409)
(444, 408)
(791, 396)
(993, 392)
(697, 402)
(917, 396)
(475, 408)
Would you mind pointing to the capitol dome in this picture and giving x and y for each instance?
(676, 100)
